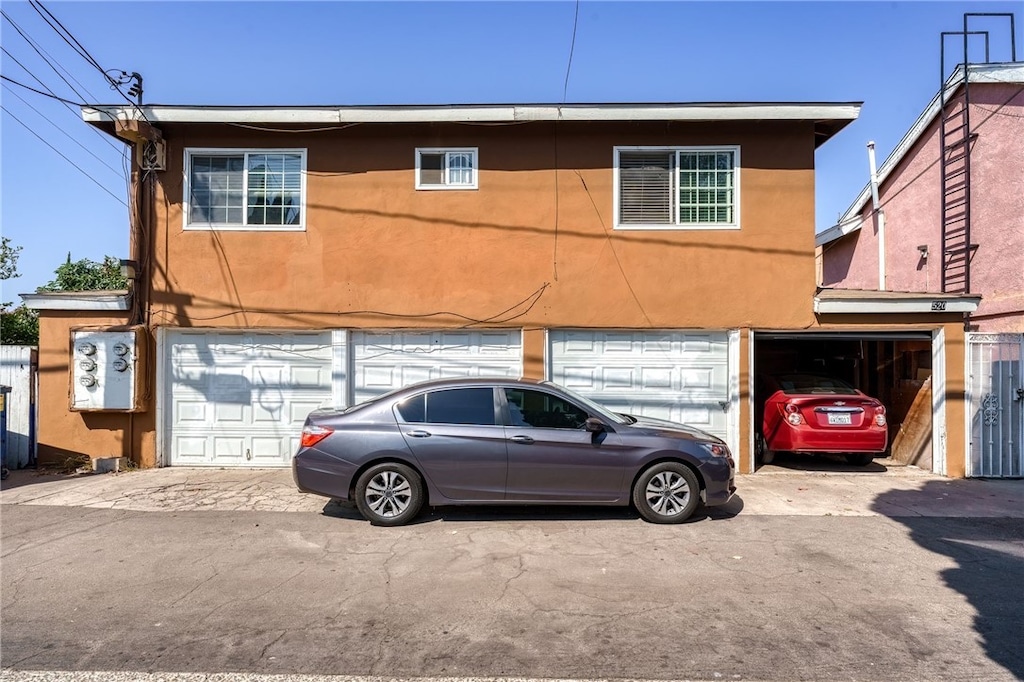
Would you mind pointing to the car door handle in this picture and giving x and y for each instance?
(526, 440)
(418, 433)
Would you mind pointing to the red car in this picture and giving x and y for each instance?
(807, 413)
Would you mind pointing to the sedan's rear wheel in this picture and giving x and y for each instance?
(666, 493)
(860, 459)
(389, 494)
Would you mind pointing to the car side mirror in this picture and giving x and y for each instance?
(594, 425)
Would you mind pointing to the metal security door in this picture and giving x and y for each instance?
(996, 404)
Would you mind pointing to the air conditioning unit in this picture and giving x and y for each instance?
(154, 155)
(107, 369)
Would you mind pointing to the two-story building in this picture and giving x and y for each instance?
(947, 215)
(655, 257)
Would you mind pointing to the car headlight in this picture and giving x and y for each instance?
(714, 449)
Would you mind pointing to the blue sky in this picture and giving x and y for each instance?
(885, 54)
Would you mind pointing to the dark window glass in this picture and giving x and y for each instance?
(461, 406)
(413, 409)
(543, 410)
(431, 169)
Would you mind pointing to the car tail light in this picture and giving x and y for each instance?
(313, 434)
(793, 414)
(880, 415)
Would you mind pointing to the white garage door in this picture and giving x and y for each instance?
(674, 375)
(390, 360)
(240, 399)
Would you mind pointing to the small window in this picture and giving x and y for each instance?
(229, 189)
(446, 168)
(677, 187)
(453, 406)
(543, 410)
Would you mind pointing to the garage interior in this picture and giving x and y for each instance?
(895, 368)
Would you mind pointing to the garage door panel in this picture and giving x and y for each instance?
(190, 450)
(225, 413)
(228, 448)
(239, 399)
(384, 361)
(675, 375)
(190, 412)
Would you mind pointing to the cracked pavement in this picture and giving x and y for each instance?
(806, 575)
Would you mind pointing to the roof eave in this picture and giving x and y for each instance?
(852, 302)
(79, 300)
(829, 118)
(978, 73)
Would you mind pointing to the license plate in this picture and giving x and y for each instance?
(839, 419)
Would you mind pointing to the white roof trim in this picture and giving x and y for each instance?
(979, 73)
(484, 113)
(77, 301)
(889, 305)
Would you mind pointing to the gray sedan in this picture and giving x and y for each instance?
(504, 441)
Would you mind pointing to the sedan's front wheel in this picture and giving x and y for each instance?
(667, 493)
(389, 494)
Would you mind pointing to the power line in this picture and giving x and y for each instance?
(120, 174)
(77, 46)
(66, 102)
(43, 140)
(49, 93)
(29, 87)
(572, 48)
(65, 35)
(38, 52)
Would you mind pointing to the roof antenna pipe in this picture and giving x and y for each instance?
(878, 214)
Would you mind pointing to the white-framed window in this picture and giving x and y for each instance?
(245, 189)
(446, 168)
(677, 188)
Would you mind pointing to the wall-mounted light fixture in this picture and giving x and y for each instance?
(128, 268)
(923, 248)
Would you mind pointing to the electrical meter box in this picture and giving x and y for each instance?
(107, 369)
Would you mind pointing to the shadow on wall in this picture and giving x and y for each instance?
(836, 259)
(989, 572)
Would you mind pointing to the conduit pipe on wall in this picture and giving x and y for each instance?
(879, 216)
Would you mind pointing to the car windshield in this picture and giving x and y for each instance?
(603, 412)
(812, 383)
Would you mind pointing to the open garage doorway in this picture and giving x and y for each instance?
(894, 368)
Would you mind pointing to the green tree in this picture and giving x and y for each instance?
(18, 326)
(87, 275)
(8, 259)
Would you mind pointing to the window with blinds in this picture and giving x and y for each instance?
(446, 168)
(677, 187)
(237, 189)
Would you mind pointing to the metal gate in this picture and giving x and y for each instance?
(995, 394)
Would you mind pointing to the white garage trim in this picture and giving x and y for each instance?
(340, 370)
(733, 415)
(939, 435)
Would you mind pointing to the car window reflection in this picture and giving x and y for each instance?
(542, 410)
(456, 406)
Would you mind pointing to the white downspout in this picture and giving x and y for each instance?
(879, 216)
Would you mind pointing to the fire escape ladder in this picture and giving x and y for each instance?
(956, 140)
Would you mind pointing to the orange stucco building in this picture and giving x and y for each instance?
(655, 257)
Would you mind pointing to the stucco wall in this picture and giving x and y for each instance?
(64, 435)
(532, 249)
(911, 200)
(378, 253)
